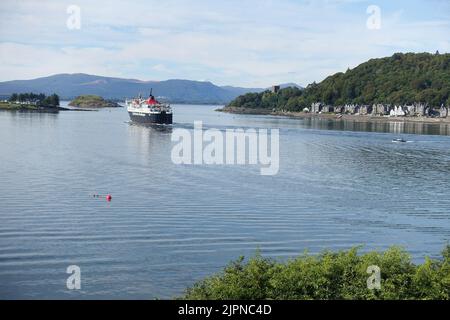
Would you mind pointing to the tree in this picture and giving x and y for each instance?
(329, 275)
(51, 101)
(13, 97)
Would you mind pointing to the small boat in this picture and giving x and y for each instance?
(149, 111)
(399, 140)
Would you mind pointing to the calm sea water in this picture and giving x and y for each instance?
(340, 184)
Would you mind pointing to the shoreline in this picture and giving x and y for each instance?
(33, 108)
(332, 116)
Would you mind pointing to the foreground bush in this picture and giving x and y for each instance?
(341, 275)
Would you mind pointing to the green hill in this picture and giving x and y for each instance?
(92, 101)
(399, 79)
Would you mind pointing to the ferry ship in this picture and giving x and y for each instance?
(149, 111)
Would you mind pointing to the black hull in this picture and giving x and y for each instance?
(159, 118)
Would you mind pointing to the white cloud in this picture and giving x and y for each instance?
(247, 42)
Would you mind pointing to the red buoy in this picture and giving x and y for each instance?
(108, 197)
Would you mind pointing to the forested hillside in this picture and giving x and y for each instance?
(399, 79)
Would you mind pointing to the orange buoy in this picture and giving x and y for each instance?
(108, 197)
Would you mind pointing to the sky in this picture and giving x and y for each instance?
(250, 43)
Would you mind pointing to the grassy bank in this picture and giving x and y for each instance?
(17, 106)
(330, 275)
(242, 110)
(11, 106)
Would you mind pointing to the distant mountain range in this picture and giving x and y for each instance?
(69, 86)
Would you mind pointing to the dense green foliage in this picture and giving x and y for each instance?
(341, 275)
(40, 100)
(400, 79)
(92, 101)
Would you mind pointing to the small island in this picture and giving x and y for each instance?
(31, 102)
(92, 101)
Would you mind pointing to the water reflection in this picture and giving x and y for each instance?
(152, 127)
(31, 117)
(387, 127)
(149, 139)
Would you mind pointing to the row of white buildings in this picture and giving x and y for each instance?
(414, 110)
